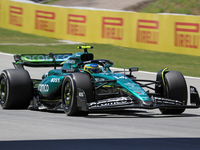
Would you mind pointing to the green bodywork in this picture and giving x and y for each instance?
(52, 80)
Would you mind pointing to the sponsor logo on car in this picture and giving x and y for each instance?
(58, 57)
(70, 61)
(147, 31)
(120, 77)
(99, 79)
(55, 80)
(76, 25)
(94, 65)
(140, 93)
(112, 28)
(187, 35)
(43, 88)
(45, 21)
(81, 94)
(15, 14)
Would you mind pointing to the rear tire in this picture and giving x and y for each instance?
(69, 93)
(15, 89)
(176, 89)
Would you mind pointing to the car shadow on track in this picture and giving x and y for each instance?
(125, 114)
(104, 144)
(135, 114)
(49, 111)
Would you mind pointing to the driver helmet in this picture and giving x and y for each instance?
(92, 68)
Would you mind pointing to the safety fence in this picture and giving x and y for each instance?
(159, 32)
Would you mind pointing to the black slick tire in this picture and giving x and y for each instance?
(69, 93)
(176, 89)
(15, 89)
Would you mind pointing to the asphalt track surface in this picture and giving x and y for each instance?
(127, 129)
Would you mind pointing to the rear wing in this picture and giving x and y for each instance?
(39, 60)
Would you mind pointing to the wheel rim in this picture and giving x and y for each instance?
(67, 95)
(3, 90)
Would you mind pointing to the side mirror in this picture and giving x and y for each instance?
(133, 69)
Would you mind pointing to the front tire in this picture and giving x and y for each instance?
(175, 88)
(70, 86)
(15, 89)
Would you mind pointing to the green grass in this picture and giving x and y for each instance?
(9, 36)
(191, 7)
(121, 56)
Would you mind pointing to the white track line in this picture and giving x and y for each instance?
(7, 54)
(188, 77)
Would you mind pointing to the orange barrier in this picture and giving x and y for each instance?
(158, 32)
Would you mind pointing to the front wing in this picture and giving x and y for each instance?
(127, 102)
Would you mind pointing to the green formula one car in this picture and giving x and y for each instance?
(83, 85)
